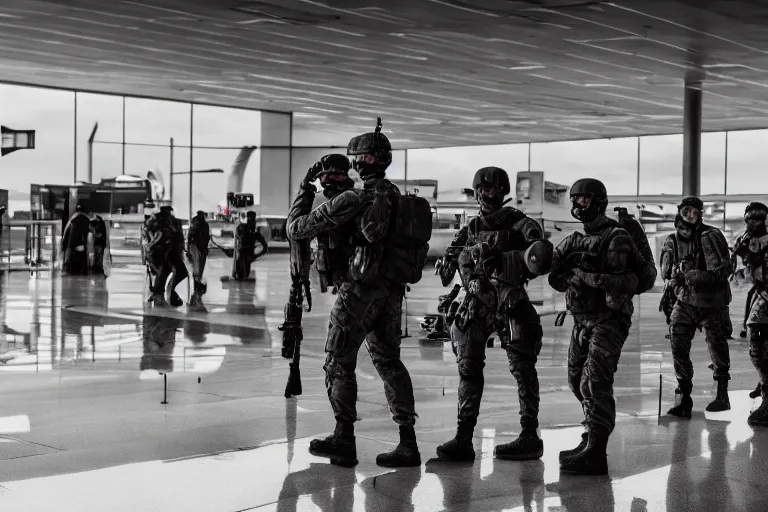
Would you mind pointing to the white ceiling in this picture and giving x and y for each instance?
(439, 72)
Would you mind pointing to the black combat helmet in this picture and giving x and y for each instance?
(491, 184)
(598, 199)
(375, 144)
(334, 174)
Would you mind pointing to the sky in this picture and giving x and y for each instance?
(54, 161)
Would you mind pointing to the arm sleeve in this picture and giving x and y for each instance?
(560, 271)
(325, 217)
(529, 228)
(450, 264)
(667, 259)
(716, 256)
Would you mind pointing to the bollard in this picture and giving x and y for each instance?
(165, 389)
(659, 416)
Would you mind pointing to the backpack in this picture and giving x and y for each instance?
(407, 245)
(631, 225)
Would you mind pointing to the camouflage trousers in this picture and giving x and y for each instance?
(715, 322)
(369, 312)
(758, 334)
(522, 353)
(593, 358)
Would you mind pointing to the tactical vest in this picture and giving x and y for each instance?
(587, 252)
(693, 255)
(501, 230)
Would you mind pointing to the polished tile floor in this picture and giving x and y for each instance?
(85, 369)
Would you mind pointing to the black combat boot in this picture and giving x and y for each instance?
(458, 449)
(592, 460)
(721, 401)
(684, 407)
(759, 417)
(340, 446)
(527, 446)
(757, 391)
(575, 451)
(406, 455)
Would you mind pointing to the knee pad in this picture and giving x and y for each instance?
(469, 369)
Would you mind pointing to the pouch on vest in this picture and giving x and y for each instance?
(406, 247)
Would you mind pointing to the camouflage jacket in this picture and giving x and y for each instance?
(369, 211)
(700, 267)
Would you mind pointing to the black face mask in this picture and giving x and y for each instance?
(685, 229)
(755, 223)
(489, 199)
(585, 214)
(365, 169)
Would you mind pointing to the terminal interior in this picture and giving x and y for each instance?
(107, 404)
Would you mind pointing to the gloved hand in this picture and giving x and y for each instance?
(576, 281)
(312, 174)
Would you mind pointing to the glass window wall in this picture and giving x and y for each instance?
(612, 161)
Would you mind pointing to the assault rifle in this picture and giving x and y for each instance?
(291, 328)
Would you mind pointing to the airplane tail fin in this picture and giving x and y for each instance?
(237, 174)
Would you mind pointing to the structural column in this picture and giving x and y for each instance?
(275, 182)
(692, 137)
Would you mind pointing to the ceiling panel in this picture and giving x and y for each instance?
(439, 72)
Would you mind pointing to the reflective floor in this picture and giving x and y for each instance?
(85, 369)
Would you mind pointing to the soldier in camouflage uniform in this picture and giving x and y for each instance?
(493, 270)
(599, 271)
(752, 248)
(697, 262)
(367, 306)
(331, 259)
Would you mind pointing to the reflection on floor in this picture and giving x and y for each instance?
(82, 426)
